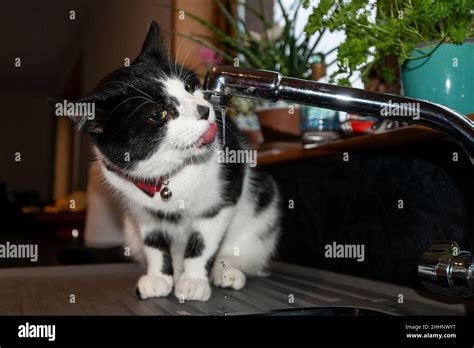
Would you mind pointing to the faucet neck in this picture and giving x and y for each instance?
(223, 82)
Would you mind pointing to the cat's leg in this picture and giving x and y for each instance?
(201, 249)
(246, 252)
(177, 256)
(133, 240)
(158, 282)
(250, 241)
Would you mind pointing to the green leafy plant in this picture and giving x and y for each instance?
(396, 30)
(277, 48)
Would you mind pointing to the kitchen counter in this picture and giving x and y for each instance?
(110, 290)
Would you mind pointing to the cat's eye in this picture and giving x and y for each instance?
(188, 87)
(164, 115)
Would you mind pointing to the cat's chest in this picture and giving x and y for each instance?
(193, 189)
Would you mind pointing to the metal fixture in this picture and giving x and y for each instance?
(442, 268)
(223, 82)
(445, 269)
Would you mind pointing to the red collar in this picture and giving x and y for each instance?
(150, 190)
(145, 186)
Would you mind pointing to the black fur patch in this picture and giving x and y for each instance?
(138, 293)
(233, 177)
(173, 218)
(167, 267)
(210, 264)
(159, 240)
(195, 245)
(231, 173)
(265, 193)
(212, 260)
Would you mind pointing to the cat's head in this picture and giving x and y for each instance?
(151, 116)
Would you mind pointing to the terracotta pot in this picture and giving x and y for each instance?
(318, 70)
(280, 122)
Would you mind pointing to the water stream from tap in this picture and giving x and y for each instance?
(220, 112)
(223, 125)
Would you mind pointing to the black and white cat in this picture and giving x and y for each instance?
(195, 220)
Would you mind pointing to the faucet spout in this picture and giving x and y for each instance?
(223, 82)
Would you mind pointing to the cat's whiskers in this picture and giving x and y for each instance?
(176, 59)
(139, 106)
(131, 86)
(174, 63)
(184, 61)
(126, 100)
(191, 70)
(170, 36)
(223, 124)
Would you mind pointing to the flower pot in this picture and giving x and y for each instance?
(318, 70)
(279, 121)
(445, 77)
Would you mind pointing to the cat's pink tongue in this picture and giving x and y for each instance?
(210, 135)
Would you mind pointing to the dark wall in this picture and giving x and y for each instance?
(49, 44)
(26, 127)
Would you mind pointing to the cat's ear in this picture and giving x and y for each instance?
(83, 113)
(153, 45)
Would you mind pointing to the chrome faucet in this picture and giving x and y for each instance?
(223, 82)
(443, 268)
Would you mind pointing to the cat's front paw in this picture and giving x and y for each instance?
(193, 289)
(229, 277)
(150, 286)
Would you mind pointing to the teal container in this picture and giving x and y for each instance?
(445, 77)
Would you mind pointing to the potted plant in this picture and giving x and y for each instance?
(277, 48)
(425, 42)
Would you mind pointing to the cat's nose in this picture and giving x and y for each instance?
(203, 111)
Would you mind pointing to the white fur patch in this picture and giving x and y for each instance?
(150, 286)
(193, 289)
(229, 277)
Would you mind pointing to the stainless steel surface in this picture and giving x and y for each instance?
(222, 82)
(440, 270)
(110, 290)
(446, 270)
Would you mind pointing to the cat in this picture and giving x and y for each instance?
(197, 221)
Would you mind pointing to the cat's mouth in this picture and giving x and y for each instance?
(208, 137)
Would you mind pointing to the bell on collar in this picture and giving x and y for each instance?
(165, 194)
